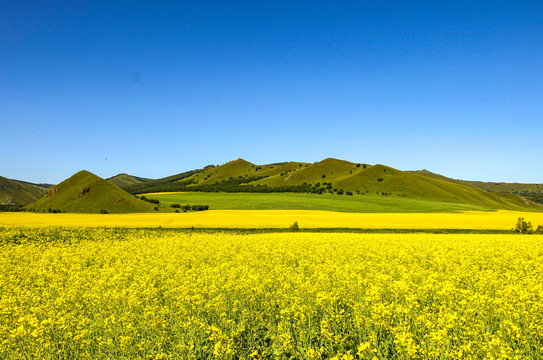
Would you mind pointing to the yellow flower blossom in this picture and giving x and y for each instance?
(164, 294)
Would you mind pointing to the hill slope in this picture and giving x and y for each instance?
(124, 180)
(13, 192)
(240, 170)
(333, 176)
(381, 179)
(498, 187)
(327, 170)
(85, 192)
(235, 168)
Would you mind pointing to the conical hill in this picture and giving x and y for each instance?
(85, 192)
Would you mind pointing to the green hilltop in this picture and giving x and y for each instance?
(333, 176)
(85, 192)
(13, 192)
(242, 169)
(124, 180)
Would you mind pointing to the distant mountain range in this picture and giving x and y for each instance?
(327, 176)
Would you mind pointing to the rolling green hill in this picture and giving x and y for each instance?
(383, 179)
(327, 170)
(496, 187)
(532, 192)
(170, 183)
(85, 192)
(236, 168)
(334, 176)
(14, 192)
(246, 171)
(124, 180)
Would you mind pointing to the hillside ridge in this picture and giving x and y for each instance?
(85, 192)
(124, 180)
(335, 176)
(328, 176)
(13, 192)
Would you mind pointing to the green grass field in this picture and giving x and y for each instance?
(302, 201)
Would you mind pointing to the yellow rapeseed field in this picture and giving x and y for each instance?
(498, 220)
(162, 294)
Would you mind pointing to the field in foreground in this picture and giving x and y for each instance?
(232, 219)
(155, 294)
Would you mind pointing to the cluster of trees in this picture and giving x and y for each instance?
(524, 227)
(20, 208)
(232, 188)
(55, 211)
(152, 201)
(186, 208)
(49, 210)
(11, 208)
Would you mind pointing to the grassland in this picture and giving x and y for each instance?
(279, 219)
(18, 193)
(496, 187)
(302, 201)
(124, 180)
(156, 294)
(333, 176)
(85, 192)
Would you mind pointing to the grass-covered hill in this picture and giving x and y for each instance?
(124, 180)
(328, 170)
(497, 187)
(530, 191)
(332, 176)
(85, 192)
(380, 179)
(244, 172)
(14, 192)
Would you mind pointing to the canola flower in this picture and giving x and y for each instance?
(496, 220)
(161, 294)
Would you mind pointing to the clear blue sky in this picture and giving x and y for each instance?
(157, 88)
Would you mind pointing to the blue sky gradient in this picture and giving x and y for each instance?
(158, 88)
